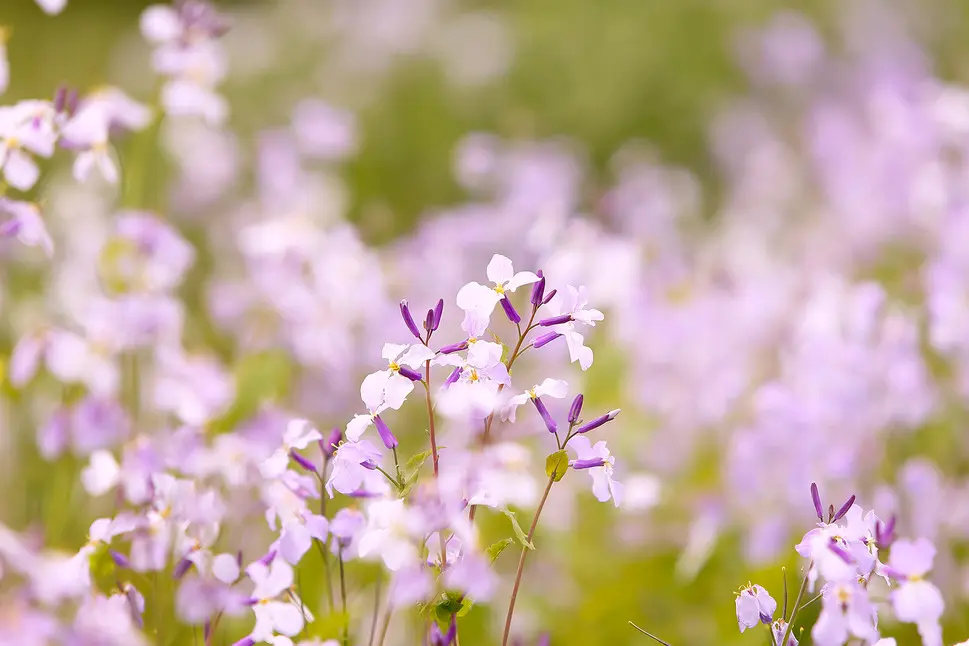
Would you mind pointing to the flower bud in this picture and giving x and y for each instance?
(181, 568)
(302, 461)
(590, 463)
(454, 347)
(268, 557)
(576, 409)
(453, 377)
(510, 311)
(555, 320)
(550, 296)
(429, 320)
(546, 416)
(120, 559)
(545, 339)
(328, 446)
(409, 320)
(538, 290)
(816, 497)
(411, 374)
(599, 421)
(438, 313)
(388, 438)
(844, 508)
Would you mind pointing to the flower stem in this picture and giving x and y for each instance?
(486, 434)
(343, 598)
(521, 562)
(376, 611)
(650, 635)
(797, 602)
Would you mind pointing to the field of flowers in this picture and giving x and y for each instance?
(460, 322)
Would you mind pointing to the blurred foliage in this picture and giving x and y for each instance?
(601, 72)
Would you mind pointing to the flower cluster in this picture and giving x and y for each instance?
(856, 584)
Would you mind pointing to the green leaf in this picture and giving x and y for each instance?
(556, 465)
(415, 463)
(451, 603)
(519, 534)
(497, 548)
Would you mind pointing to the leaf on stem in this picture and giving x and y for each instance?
(519, 534)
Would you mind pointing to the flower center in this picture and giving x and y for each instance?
(394, 366)
(500, 289)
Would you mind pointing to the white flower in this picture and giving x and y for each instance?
(478, 301)
(603, 486)
(396, 386)
(102, 474)
(299, 433)
(349, 473)
(390, 534)
(273, 616)
(550, 387)
(572, 302)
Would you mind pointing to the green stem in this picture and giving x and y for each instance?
(521, 562)
(797, 603)
(343, 598)
(650, 635)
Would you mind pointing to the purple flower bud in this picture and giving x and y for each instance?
(538, 290)
(239, 558)
(545, 339)
(328, 446)
(409, 320)
(599, 421)
(546, 416)
(302, 461)
(885, 532)
(120, 559)
(429, 320)
(245, 641)
(453, 377)
(71, 102)
(251, 601)
(555, 320)
(576, 409)
(389, 440)
(134, 603)
(510, 311)
(268, 558)
(591, 463)
(181, 568)
(550, 296)
(438, 313)
(816, 497)
(60, 99)
(844, 508)
(413, 375)
(369, 464)
(454, 347)
(364, 494)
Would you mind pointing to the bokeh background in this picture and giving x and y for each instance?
(680, 132)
